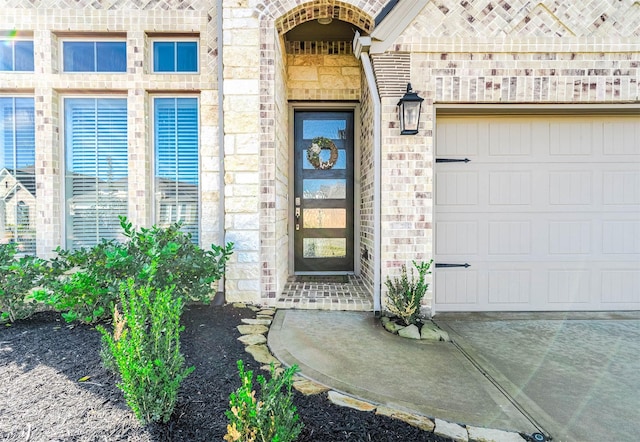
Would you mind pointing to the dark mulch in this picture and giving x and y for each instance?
(41, 398)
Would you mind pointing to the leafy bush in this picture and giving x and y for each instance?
(18, 276)
(81, 286)
(145, 348)
(86, 282)
(404, 295)
(270, 418)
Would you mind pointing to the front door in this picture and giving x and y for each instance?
(323, 186)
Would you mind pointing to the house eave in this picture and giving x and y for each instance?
(394, 23)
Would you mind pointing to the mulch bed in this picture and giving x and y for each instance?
(42, 360)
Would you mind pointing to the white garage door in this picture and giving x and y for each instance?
(546, 213)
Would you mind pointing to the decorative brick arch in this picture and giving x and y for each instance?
(276, 18)
(326, 8)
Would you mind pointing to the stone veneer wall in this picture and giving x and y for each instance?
(486, 52)
(48, 85)
(323, 72)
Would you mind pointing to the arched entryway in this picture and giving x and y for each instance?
(307, 65)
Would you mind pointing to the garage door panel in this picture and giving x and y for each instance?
(571, 138)
(509, 286)
(620, 286)
(570, 238)
(622, 138)
(621, 237)
(571, 187)
(510, 238)
(621, 187)
(457, 238)
(458, 288)
(457, 188)
(509, 187)
(553, 221)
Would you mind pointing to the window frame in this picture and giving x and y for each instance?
(15, 97)
(13, 40)
(64, 212)
(175, 41)
(154, 188)
(94, 40)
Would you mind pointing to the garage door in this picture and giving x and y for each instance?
(546, 213)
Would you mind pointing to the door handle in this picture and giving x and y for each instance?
(297, 213)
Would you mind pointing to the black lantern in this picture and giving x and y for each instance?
(409, 111)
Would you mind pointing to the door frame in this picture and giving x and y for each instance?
(323, 107)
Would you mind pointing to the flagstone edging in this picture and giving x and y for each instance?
(253, 335)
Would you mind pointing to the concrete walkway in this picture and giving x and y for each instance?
(573, 380)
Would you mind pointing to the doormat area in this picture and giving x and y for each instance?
(323, 279)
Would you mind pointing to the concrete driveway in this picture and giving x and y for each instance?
(576, 376)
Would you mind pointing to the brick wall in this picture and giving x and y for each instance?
(504, 52)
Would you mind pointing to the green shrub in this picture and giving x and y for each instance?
(85, 283)
(145, 348)
(271, 417)
(18, 276)
(404, 295)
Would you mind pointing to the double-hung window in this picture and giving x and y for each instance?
(176, 163)
(16, 55)
(96, 170)
(94, 56)
(17, 173)
(175, 56)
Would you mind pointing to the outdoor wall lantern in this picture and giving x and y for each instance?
(409, 111)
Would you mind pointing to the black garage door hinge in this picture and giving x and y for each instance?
(452, 160)
(449, 265)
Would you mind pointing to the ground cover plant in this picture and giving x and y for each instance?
(55, 388)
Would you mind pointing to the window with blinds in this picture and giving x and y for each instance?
(176, 163)
(96, 169)
(17, 173)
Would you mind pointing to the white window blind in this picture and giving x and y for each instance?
(176, 163)
(17, 173)
(96, 169)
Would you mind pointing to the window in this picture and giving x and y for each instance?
(17, 172)
(176, 163)
(94, 56)
(16, 55)
(96, 169)
(175, 56)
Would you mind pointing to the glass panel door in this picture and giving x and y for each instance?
(323, 206)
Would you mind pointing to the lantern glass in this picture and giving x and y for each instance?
(409, 108)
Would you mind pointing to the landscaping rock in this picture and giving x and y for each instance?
(488, 435)
(385, 319)
(251, 321)
(308, 387)
(261, 354)
(422, 422)
(252, 339)
(428, 333)
(451, 430)
(239, 305)
(392, 327)
(252, 329)
(267, 312)
(410, 331)
(432, 332)
(348, 401)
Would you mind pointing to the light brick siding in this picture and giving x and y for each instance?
(492, 52)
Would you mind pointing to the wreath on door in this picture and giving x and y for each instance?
(319, 144)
